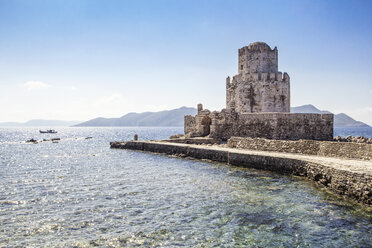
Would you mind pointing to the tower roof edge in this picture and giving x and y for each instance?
(259, 45)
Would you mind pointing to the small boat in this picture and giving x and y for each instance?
(31, 141)
(48, 131)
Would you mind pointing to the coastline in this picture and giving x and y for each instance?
(349, 178)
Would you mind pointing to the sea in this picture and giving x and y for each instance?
(80, 193)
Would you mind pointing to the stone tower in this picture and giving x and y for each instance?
(257, 105)
(258, 87)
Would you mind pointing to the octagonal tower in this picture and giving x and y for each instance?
(259, 86)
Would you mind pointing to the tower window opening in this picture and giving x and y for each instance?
(241, 67)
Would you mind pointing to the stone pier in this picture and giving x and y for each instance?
(349, 178)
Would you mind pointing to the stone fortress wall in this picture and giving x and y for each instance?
(258, 104)
(280, 126)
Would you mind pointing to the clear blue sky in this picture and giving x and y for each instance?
(80, 59)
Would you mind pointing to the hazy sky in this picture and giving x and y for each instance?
(76, 60)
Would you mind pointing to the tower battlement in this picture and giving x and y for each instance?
(264, 76)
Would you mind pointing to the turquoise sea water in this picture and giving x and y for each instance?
(81, 193)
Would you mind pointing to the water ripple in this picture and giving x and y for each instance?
(80, 193)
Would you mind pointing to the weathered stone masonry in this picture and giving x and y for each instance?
(258, 104)
(348, 150)
(226, 124)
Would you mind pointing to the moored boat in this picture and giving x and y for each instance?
(48, 131)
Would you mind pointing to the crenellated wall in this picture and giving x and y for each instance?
(258, 92)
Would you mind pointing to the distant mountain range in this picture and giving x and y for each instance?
(175, 118)
(168, 118)
(39, 123)
(340, 120)
(308, 109)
